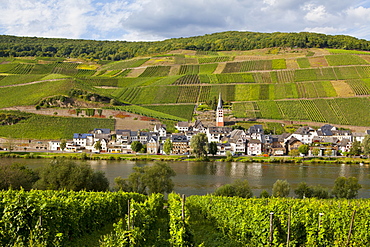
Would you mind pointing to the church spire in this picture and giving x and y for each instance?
(219, 113)
(219, 105)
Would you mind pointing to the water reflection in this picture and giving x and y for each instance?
(204, 177)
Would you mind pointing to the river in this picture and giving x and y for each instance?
(200, 178)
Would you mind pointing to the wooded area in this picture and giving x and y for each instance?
(120, 50)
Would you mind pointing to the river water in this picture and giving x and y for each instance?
(200, 178)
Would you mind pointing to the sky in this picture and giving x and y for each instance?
(152, 20)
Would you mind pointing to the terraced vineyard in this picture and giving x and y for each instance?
(329, 86)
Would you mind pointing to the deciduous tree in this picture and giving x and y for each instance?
(167, 146)
(199, 144)
(148, 180)
(238, 188)
(346, 187)
(281, 188)
(62, 174)
(136, 146)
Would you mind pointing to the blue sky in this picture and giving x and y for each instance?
(149, 20)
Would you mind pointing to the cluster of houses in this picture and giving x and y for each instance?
(327, 140)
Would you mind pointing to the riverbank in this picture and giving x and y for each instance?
(147, 157)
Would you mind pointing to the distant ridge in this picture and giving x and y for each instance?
(224, 41)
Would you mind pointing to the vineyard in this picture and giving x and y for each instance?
(336, 111)
(60, 218)
(50, 127)
(258, 84)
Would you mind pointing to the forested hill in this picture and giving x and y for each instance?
(120, 50)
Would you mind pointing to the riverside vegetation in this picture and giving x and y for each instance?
(61, 218)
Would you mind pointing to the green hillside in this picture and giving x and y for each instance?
(308, 84)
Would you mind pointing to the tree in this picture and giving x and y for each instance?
(16, 176)
(320, 192)
(62, 174)
(238, 188)
(346, 187)
(199, 144)
(63, 144)
(148, 180)
(212, 148)
(355, 150)
(264, 194)
(294, 152)
(97, 146)
(281, 188)
(303, 149)
(303, 190)
(167, 146)
(366, 145)
(136, 146)
(315, 151)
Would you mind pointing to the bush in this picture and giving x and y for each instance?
(281, 188)
(238, 188)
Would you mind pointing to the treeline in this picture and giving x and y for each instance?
(120, 50)
(343, 188)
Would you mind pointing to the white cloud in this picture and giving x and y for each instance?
(161, 19)
(315, 13)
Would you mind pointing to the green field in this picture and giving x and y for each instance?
(260, 87)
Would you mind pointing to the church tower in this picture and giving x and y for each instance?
(219, 113)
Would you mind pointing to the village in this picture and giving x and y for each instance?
(327, 140)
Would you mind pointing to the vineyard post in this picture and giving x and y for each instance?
(350, 228)
(183, 207)
(128, 215)
(288, 233)
(271, 227)
(320, 215)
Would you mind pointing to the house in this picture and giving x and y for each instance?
(182, 126)
(256, 132)
(215, 134)
(254, 147)
(103, 145)
(358, 136)
(123, 136)
(101, 131)
(293, 143)
(153, 145)
(161, 129)
(305, 134)
(222, 148)
(83, 140)
(54, 145)
(199, 127)
(237, 141)
(329, 130)
(180, 144)
(143, 137)
(276, 145)
(344, 146)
